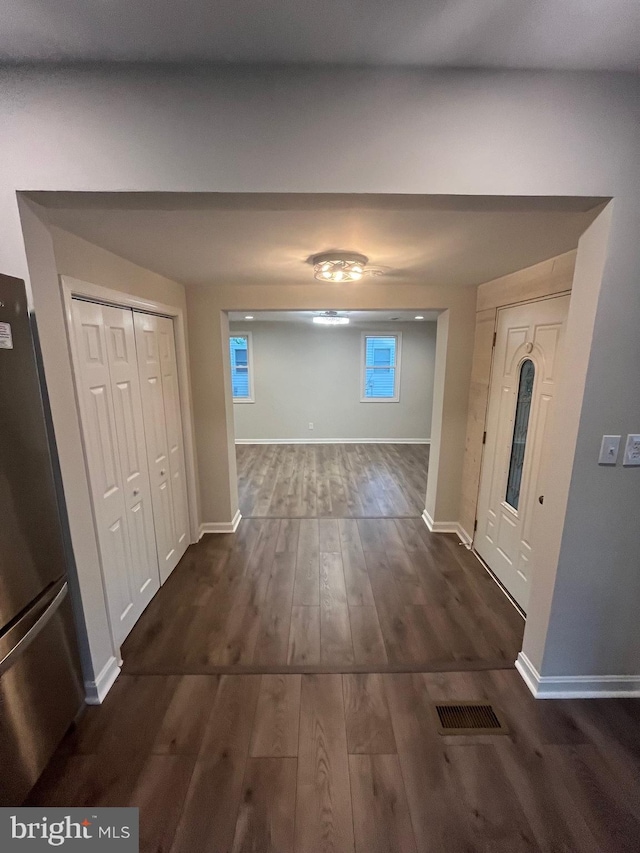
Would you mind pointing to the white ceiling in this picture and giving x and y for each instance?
(204, 239)
(546, 34)
(356, 318)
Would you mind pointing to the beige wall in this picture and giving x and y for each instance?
(304, 373)
(80, 259)
(550, 277)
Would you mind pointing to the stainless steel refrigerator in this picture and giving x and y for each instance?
(40, 683)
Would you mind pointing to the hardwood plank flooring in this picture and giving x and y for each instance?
(366, 635)
(332, 480)
(365, 771)
(307, 581)
(304, 638)
(265, 818)
(368, 722)
(275, 734)
(160, 793)
(208, 820)
(275, 617)
(323, 801)
(339, 593)
(380, 812)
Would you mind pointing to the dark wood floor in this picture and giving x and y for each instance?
(278, 692)
(353, 763)
(330, 595)
(332, 480)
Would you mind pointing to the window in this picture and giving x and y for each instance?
(241, 367)
(520, 430)
(380, 368)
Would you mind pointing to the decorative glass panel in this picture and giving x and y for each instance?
(520, 430)
(239, 352)
(380, 366)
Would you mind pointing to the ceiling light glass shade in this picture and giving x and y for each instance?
(340, 267)
(323, 320)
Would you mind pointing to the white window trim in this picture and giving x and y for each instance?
(398, 365)
(248, 336)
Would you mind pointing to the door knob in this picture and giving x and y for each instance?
(136, 492)
(162, 472)
(541, 499)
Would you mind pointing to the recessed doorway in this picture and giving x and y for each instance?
(332, 421)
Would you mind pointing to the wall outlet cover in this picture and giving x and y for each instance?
(632, 450)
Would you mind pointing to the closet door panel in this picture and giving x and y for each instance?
(173, 420)
(93, 383)
(153, 408)
(144, 559)
(125, 386)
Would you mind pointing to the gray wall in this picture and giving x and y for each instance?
(305, 373)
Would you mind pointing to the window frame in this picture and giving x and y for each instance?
(397, 367)
(251, 398)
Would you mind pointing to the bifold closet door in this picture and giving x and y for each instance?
(113, 429)
(163, 428)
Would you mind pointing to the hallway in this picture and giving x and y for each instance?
(326, 595)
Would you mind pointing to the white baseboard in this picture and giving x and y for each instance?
(333, 441)
(220, 526)
(577, 686)
(465, 538)
(447, 527)
(98, 689)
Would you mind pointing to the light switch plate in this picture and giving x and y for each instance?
(609, 450)
(632, 450)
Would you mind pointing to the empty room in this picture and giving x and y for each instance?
(332, 412)
(319, 452)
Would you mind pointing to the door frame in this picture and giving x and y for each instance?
(483, 457)
(75, 288)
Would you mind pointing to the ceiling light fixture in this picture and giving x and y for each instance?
(419, 317)
(330, 318)
(339, 266)
(250, 317)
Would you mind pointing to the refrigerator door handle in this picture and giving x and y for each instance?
(30, 635)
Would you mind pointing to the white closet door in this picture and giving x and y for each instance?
(169, 536)
(173, 418)
(101, 446)
(127, 404)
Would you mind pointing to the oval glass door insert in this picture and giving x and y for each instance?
(520, 430)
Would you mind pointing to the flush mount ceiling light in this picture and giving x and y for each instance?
(339, 266)
(330, 318)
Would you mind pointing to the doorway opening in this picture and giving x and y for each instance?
(332, 421)
(324, 556)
